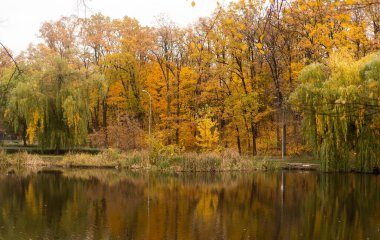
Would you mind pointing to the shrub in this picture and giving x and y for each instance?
(22, 158)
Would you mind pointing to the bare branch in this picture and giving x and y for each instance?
(17, 69)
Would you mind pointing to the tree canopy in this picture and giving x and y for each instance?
(83, 84)
(340, 104)
(51, 104)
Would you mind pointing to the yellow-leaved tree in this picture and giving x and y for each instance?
(208, 135)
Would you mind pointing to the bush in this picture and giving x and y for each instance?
(194, 162)
(125, 135)
(160, 154)
(107, 158)
(21, 159)
(231, 159)
(210, 162)
(135, 160)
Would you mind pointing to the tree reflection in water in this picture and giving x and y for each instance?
(108, 204)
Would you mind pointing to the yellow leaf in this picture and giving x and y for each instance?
(372, 84)
(262, 52)
(259, 46)
(193, 3)
(229, 21)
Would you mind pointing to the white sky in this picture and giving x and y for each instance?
(20, 20)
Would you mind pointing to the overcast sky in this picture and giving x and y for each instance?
(20, 20)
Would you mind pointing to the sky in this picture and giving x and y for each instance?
(20, 20)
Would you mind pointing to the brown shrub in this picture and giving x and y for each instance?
(124, 136)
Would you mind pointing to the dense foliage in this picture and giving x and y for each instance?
(240, 65)
(50, 102)
(340, 105)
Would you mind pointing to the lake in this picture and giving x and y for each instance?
(111, 204)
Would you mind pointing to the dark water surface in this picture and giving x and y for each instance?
(107, 204)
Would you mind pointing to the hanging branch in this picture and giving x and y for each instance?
(10, 56)
(17, 70)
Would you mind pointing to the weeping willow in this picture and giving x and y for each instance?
(53, 103)
(340, 104)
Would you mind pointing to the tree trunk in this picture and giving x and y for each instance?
(57, 147)
(105, 123)
(283, 133)
(278, 137)
(254, 136)
(247, 132)
(238, 140)
(168, 111)
(295, 128)
(96, 115)
(24, 135)
(178, 108)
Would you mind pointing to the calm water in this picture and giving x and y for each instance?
(107, 204)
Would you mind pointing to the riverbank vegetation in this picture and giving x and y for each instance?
(177, 162)
(220, 84)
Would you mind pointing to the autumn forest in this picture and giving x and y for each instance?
(256, 77)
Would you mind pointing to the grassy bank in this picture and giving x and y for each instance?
(186, 162)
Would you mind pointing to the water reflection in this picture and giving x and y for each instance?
(107, 204)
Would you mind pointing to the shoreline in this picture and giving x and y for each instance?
(143, 160)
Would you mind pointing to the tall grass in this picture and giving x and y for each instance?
(21, 159)
(109, 158)
(168, 160)
(208, 162)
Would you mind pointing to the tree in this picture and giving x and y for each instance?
(208, 133)
(242, 63)
(52, 103)
(170, 53)
(60, 36)
(340, 105)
